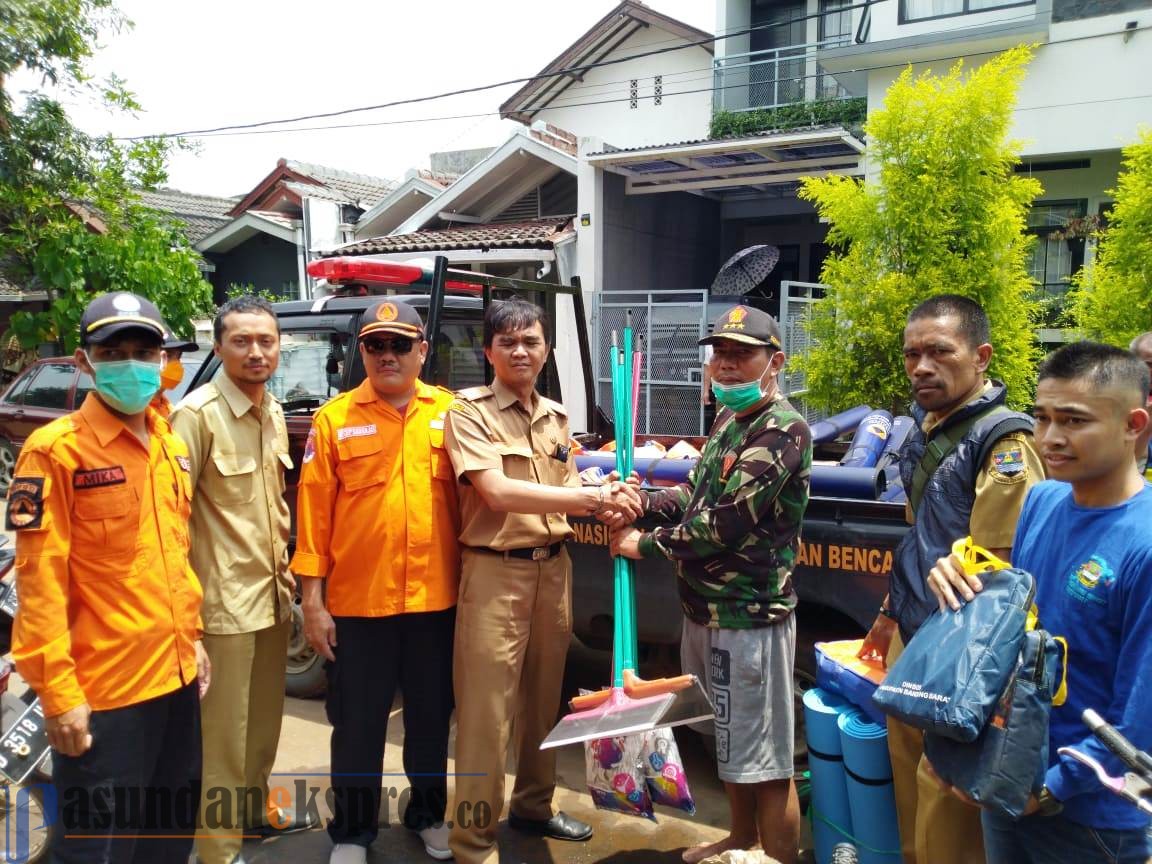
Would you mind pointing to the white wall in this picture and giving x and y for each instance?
(1088, 94)
(678, 118)
(1078, 96)
(1091, 183)
(732, 15)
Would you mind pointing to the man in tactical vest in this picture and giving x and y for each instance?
(966, 469)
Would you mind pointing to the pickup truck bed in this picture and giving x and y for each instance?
(847, 543)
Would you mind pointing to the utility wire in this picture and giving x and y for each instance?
(234, 131)
(571, 70)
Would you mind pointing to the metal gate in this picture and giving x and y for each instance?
(668, 325)
(797, 300)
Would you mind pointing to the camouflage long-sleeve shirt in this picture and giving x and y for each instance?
(737, 530)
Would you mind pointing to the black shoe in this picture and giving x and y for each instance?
(290, 826)
(559, 827)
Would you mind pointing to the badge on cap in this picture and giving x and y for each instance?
(387, 312)
(736, 318)
(126, 303)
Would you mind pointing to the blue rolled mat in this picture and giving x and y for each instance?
(901, 428)
(868, 776)
(828, 481)
(838, 481)
(833, 427)
(832, 814)
(868, 442)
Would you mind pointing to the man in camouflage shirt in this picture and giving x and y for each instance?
(734, 535)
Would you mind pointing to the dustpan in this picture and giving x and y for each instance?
(631, 704)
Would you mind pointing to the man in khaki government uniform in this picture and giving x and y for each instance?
(509, 449)
(966, 469)
(238, 448)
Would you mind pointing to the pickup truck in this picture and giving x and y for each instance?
(847, 543)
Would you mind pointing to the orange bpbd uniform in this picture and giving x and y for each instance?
(109, 608)
(162, 404)
(377, 511)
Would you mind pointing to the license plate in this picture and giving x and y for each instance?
(24, 744)
(8, 601)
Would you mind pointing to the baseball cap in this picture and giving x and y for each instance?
(392, 316)
(111, 315)
(748, 325)
(172, 342)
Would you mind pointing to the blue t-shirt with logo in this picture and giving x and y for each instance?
(1093, 570)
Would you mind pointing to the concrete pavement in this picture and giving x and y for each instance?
(618, 839)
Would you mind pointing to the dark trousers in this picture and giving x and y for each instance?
(374, 656)
(141, 777)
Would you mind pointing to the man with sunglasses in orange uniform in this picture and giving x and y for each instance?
(378, 519)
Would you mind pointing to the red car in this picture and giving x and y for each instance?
(48, 389)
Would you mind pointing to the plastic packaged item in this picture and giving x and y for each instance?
(615, 775)
(664, 771)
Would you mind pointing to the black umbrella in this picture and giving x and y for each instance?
(745, 270)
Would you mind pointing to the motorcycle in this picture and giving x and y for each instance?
(25, 760)
(1135, 786)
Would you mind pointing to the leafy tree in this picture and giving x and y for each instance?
(1112, 299)
(71, 220)
(944, 212)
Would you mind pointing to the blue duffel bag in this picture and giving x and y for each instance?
(1007, 761)
(955, 668)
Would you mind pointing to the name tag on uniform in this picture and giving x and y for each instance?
(436, 424)
(98, 477)
(355, 432)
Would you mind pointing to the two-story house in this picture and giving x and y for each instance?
(1085, 95)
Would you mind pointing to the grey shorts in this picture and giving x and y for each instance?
(748, 677)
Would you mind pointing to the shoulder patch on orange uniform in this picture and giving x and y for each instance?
(25, 503)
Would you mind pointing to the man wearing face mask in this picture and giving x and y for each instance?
(108, 630)
(734, 532)
(172, 373)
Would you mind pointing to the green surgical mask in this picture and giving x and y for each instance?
(738, 397)
(126, 385)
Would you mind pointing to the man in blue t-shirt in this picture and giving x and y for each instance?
(1086, 536)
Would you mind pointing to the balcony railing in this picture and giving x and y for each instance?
(774, 77)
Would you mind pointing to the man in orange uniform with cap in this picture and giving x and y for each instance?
(173, 371)
(108, 631)
(378, 518)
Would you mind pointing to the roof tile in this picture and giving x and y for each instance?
(534, 234)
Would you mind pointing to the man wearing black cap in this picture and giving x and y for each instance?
(734, 534)
(108, 631)
(377, 520)
(173, 372)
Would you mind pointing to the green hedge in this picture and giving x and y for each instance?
(847, 112)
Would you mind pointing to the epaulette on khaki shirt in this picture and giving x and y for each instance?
(489, 428)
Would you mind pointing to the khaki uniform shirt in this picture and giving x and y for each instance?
(1013, 467)
(488, 427)
(240, 520)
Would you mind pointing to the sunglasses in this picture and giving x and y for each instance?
(398, 346)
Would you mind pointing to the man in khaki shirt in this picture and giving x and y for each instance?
(509, 449)
(977, 488)
(238, 449)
